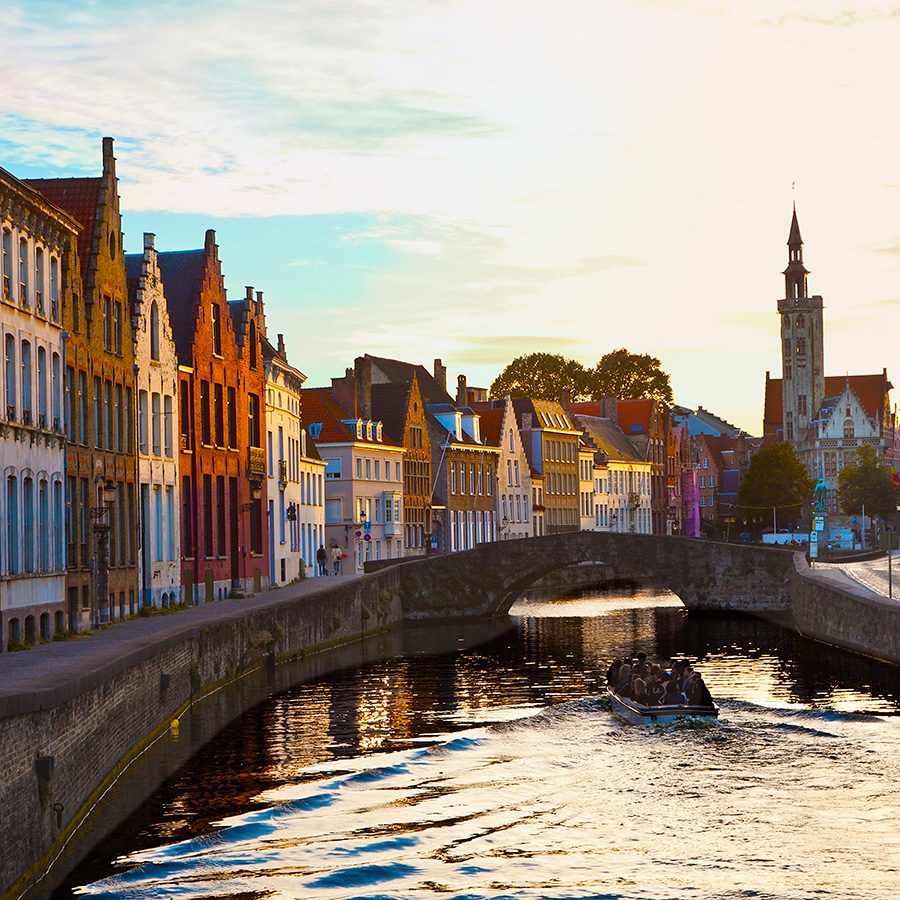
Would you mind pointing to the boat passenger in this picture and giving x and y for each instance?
(639, 690)
(641, 667)
(673, 695)
(624, 680)
(612, 673)
(654, 690)
(699, 693)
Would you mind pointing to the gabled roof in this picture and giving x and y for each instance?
(870, 389)
(390, 405)
(544, 413)
(182, 273)
(610, 439)
(491, 425)
(80, 198)
(320, 406)
(396, 370)
(633, 416)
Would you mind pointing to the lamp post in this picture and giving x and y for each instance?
(100, 518)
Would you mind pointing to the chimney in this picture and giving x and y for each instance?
(281, 350)
(249, 295)
(345, 391)
(462, 397)
(363, 371)
(440, 374)
(609, 408)
(209, 245)
(149, 241)
(109, 161)
(259, 299)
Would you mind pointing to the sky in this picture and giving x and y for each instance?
(478, 180)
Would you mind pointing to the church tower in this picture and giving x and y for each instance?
(802, 350)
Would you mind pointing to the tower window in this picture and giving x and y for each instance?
(801, 346)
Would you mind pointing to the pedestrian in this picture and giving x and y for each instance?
(322, 560)
(336, 559)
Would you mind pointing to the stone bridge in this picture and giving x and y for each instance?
(487, 580)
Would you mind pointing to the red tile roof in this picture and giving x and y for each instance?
(871, 390)
(631, 413)
(320, 405)
(79, 197)
(491, 423)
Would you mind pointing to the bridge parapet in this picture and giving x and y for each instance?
(487, 580)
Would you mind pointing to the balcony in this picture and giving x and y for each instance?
(256, 461)
(26, 417)
(392, 529)
(185, 442)
(23, 295)
(39, 302)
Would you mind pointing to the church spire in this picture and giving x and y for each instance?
(795, 274)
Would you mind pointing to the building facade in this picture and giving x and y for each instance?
(101, 457)
(156, 386)
(222, 460)
(363, 481)
(39, 271)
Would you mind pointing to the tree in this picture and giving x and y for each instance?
(630, 376)
(776, 479)
(868, 484)
(542, 376)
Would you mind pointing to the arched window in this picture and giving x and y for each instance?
(849, 428)
(28, 524)
(11, 395)
(12, 525)
(252, 345)
(54, 288)
(39, 279)
(44, 534)
(23, 273)
(55, 396)
(42, 386)
(6, 262)
(154, 330)
(26, 382)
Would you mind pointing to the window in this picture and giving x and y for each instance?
(11, 404)
(232, 419)
(108, 413)
(216, 329)
(157, 523)
(154, 330)
(42, 386)
(332, 468)
(396, 471)
(39, 280)
(378, 469)
(120, 420)
(82, 408)
(801, 405)
(71, 405)
(23, 274)
(55, 396)
(219, 415)
(255, 420)
(107, 323)
(6, 263)
(26, 382)
(117, 328)
(155, 424)
(453, 478)
(187, 530)
(143, 430)
(222, 516)
(368, 469)
(12, 525)
(54, 288)
(205, 435)
(801, 346)
(28, 525)
(849, 428)
(253, 346)
(207, 516)
(167, 424)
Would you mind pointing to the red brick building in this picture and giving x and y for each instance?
(99, 381)
(221, 413)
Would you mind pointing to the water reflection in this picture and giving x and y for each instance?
(547, 653)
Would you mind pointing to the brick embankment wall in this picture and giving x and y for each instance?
(63, 742)
(845, 616)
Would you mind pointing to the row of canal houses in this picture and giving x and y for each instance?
(157, 448)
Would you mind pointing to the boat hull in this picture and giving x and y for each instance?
(637, 714)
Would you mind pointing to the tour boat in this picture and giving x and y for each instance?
(638, 714)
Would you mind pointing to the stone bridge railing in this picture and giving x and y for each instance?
(705, 575)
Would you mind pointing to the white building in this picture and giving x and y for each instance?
(296, 474)
(156, 384)
(623, 492)
(586, 487)
(499, 428)
(363, 481)
(37, 253)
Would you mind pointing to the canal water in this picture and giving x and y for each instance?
(497, 770)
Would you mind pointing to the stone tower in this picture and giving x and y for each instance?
(802, 350)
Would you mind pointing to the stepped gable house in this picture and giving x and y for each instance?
(101, 462)
(221, 460)
(39, 269)
(826, 418)
(156, 383)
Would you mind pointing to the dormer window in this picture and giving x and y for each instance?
(368, 429)
(849, 428)
(378, 431)
(359, 429)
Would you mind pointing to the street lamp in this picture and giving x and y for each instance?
(100, 518)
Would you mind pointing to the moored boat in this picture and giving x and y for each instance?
(639, 714)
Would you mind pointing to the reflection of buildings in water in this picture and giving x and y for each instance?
(385, 708)
(298, 730)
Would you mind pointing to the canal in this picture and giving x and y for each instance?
(494, 770)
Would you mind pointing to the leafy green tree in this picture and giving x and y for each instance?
(868, 484)
(776, 478)
(630, 376)
(543, 376)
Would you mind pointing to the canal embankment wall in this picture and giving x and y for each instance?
(844, 614)
(69, 727)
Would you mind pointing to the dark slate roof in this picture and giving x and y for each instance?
(396, 370)
(390, 404)
(80, 198)
(610, 439)
(182, 273)
(491, 423)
